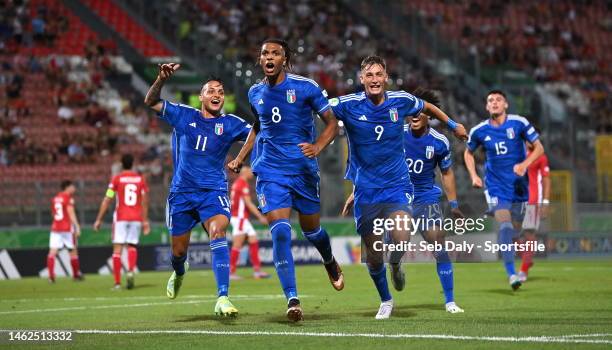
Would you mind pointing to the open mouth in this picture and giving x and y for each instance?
(215, 102)
(269, 67)
(375, 86)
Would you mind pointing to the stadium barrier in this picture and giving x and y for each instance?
(18, 263)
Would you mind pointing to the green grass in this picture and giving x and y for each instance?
(561, 298)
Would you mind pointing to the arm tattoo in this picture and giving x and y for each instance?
(153, 95)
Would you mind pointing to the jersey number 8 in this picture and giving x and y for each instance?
(276, 116)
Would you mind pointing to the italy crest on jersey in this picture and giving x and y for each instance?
(393, 114)
(429, 152)
(510, 133)
(291, 98)
(219, 128)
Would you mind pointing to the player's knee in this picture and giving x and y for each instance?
(217, 232)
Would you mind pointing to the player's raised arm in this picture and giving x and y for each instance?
(325, 138)
(457, 128)
(538, 150)
(153, 98)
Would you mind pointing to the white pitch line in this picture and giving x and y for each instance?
(97, 307)
(594, 335)
(146, 297)
(538, 339)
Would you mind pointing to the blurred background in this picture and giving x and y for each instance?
(74, 73)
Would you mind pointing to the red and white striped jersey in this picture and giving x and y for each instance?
(59, 210)
(240, 189)
(536, 171)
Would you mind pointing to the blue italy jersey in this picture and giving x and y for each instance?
(423, 155)
(200, 146)
(285, 113)
(504, 147)
(375, 136)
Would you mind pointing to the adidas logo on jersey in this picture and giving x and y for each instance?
(488, 138)
(192, 125)
(260, 102)
(363, 117)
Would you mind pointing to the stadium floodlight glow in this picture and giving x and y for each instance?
(248, 73)
(300, 49)
(349, 42)
(238, 64)
(350, 81)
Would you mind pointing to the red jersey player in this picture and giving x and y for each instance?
(130, 217)
(242, 228)
(64, 230)
(537, 207)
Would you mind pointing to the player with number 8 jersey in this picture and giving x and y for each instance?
(285, 162)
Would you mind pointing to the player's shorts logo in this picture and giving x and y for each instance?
(291, 98)
(510, 133)
(393, 114)
(219, 128)
(429, 152)
(262, 200)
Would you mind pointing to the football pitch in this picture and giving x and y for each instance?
(565, 304)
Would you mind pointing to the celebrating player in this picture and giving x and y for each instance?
(503, 137)
(198, 193)
(64, 231)
(374, 122)
(241, 225)
(427, 149)
(131, 215)
(286, 166)
(537, 206)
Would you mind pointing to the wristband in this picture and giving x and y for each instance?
(545, 201)
(452, 125)
(453, 204)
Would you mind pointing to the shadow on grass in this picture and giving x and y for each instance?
(507, 291)
(201, 318)
(435, 307)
